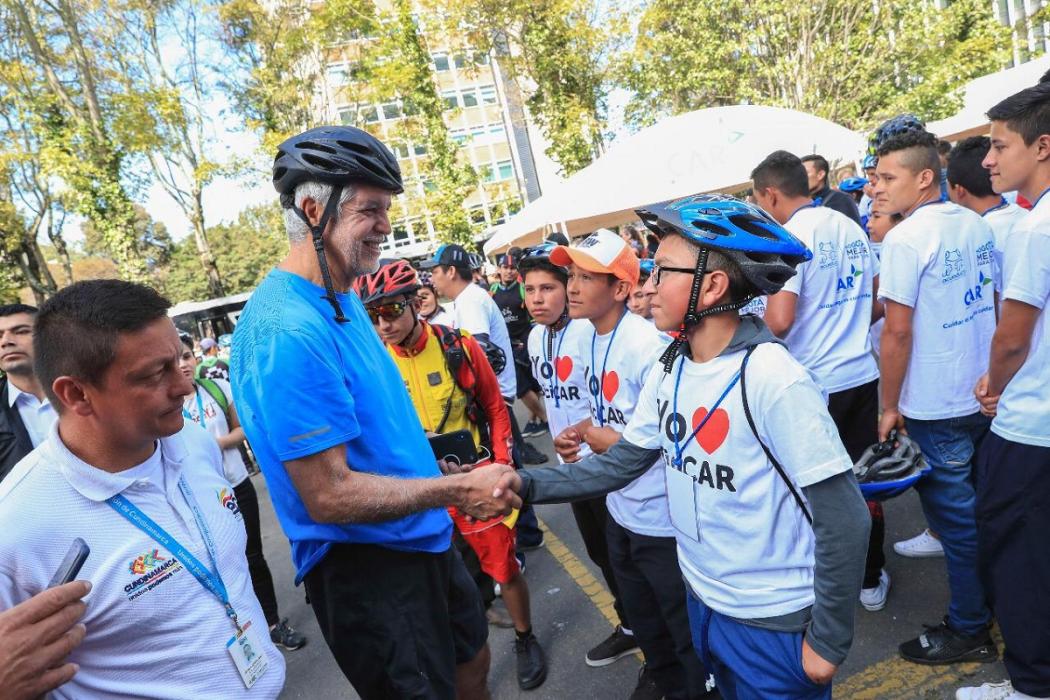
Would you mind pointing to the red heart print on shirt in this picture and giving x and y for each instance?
(715, 430)
(610, 385)
(563, 366)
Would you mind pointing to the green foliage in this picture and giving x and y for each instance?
(244, 250)
(850, 62)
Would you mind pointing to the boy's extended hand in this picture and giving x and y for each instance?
(567, 444)
(487, 493)
(818, 669)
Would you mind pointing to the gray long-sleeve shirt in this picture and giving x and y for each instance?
(841, 525)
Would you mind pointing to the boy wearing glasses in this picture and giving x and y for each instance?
(448, 399)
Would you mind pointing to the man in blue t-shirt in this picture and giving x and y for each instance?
(352, 477)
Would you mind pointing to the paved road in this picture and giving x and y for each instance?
(569, 616)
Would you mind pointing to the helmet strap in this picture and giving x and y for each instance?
(692, 316)
(317, 232)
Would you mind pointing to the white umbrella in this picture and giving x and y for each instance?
(708, 150)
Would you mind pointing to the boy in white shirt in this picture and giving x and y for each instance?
(937, 279)
(770, 524)
(1013, 464)
(824, 314)
(970, 186)
(616, 355)
(558, 367)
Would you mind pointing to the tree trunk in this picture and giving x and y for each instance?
(211, 270)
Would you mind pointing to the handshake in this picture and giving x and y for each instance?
(482, 491)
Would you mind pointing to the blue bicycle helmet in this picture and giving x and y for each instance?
(901, 124)
(765, 251)
(888, 469)
(869, 161)
(853, 184)
(645, 267)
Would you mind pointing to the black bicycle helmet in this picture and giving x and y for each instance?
(338, 156)
(889, 468)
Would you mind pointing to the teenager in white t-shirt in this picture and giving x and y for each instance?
(770, 595)
(938, 272)
(146, 492)
(1013, 464)
(616, 355)
(558, 368)
(204, 408)
(824, 314)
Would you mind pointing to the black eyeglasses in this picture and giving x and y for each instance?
(658, 271)
(388, 312)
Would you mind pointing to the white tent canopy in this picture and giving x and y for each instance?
(708, 150)
(981, 94)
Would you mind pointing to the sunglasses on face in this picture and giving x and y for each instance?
(388, 312)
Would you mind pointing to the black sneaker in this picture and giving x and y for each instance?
(530, 455)
(535, 428)
(284, 636)
(529, 546)
(646, 688)
(612, 649)
(942, 645)
(532, 663)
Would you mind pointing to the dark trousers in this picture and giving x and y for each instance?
(1013, 554)
(591, 518)
(262, 580)
(529, 533)
(654, 596)
(856, 415)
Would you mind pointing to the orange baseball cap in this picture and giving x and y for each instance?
(602, 251)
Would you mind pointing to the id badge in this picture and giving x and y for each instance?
(681, 501)
(249, 654)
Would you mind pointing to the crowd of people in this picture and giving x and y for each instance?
(732, 388)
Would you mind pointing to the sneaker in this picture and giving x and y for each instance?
(921, 546)
(499, 618)
(284, 636)
(875, 598)
(532, 663)
(942, 645)
(646, 688)
(616, 646)
(530, 455)
(992, 691)
(528, 547)
(535, 428)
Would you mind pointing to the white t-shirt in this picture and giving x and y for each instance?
(641, 506)
(834, 289)
(1024, 411)
(1002, 219)
(216, 424)
(939, 261)
(744, 545)
(560, 373)
(477, 314)
(443, 317)
(152, 629)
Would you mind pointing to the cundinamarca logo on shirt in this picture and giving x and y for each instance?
(149, 570)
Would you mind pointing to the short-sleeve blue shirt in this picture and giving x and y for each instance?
(303, 383)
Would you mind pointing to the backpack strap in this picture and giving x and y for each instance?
(216, 393)
(456, 354)
(769, 455)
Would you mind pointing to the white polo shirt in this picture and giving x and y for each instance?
(1002, 219)
(477, 314)
(152, 628)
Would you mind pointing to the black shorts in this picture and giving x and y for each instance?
(856, 415)
(398, 623)
(523, 371)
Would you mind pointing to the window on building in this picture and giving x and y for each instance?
(399, 147)
(460, 61)
(470, 98)
(420, 149)
(369, 114)
(486, 173)
(451, 100)
(488, 94)
(506, 169)
(391, 110)
(477, 215)
(347, 117)
(409, 108)
(440, 63)
(400, 233)
(481, 59)
(337, 75)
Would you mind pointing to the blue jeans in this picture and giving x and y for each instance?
(949, 503)
(750, 663)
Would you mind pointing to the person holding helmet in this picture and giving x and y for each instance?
(352, 477)
(448, 398)
(770, 524)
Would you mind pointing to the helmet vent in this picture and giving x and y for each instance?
(358, 148)
(318, 161)
(314, 146)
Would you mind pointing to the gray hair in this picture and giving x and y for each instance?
(296, 228)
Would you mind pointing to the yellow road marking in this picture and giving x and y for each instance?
(577, 570)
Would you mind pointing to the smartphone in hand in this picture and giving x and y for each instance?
(71, 563)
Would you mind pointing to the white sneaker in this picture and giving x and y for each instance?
(919, 547)
(992, 691)
(875, 598)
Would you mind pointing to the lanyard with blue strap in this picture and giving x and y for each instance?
(678, 445)
(553, 360)
(599, 395)
(200, 407)
(212, 581)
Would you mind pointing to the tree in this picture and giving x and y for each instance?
(151, 238)
(553, 50)
(246, 249)
(65, 48)
(850, 62)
